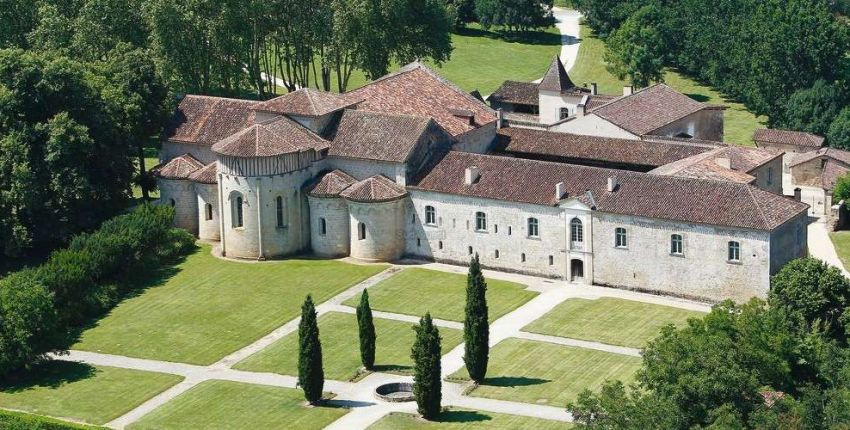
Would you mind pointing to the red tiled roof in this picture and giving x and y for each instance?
(330, 184)
(788, 137)
(377, 136)
(178, 168)
(831, 172)
(275, 137)
(613, 150)
(304, 102)
(205, 120)
(417, 90)
(374, 189)
(835, 154)
(638, 194)
(599, 100)
(648, 109)
(523, 93)
(707, 166)
(206, 175)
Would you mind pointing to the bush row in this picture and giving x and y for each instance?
(21, 421)
(39, 306)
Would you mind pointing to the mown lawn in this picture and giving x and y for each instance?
(462, 419)
(207, 308)
(841, 241)
(609, 320)
(214, 405)
(739, 123)
(341, 348)
(543, 373)
(77, 391)
(416, 291)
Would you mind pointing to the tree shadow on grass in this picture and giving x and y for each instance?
(462, 417)
(525, 37)
(393, 368)
(514, 381)
(698, 97)
(50, 373)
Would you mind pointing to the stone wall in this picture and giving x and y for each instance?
(171, 150)
(181, 195)
(788, 242)
(769, 176)
(593, 125)
(551, 102)
(335, 241)
(703, 270)
(208, 220)
(706, 124)
(384, 223)
(478, 141)
(454, 233)
(361, 169)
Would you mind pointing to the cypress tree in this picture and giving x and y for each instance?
(311, 376)
(367, 332)
(425, 353)
(476, 328)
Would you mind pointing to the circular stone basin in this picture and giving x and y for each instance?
(395, 392)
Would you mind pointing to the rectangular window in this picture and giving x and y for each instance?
(279, 210)
(734, 253)
(620, 238)
(770, 176)
(676, 247)
(480, 221)
(208, 212)
(323, 226)
(361, 231)
(533, 227)
(430, 215)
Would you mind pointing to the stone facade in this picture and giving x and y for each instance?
(769, 176)
(592, 125)
(375, 230)
(208, 223)
(180, 193)
(706, 124)
(329, 227)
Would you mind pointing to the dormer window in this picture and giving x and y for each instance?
(564, 113)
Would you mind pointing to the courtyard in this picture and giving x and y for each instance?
(213, 343)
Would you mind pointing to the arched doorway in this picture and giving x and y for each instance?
(576, 270)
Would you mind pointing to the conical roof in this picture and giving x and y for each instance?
(374, 189)
(556, 78)
(276, 137)
(178, 168)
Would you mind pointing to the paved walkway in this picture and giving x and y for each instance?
(821, 247)
(359, 396)
(568, 26)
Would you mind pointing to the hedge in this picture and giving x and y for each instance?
(22, 421)
(41, 305)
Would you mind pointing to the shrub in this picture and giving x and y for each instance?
(27, 321)
(21, 421)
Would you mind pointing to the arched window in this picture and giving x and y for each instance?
(533, 227)
(236, 212)
(620, 238)
(564, 113)
(323, 226)
(208, 211)
(279, 210)
(497, 253)
(522, 257)
(361, 231)
(480, 221)
(576, 230)
(734, 253)
(430, 215)
(676, 246)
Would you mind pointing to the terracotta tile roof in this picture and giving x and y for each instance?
(178, 168)
(417, 90)
(304, 102)
(329, 184)
(648, 109)
(556, 79)
(788, 137)
(374, 189)
(205, 120)
(275, 137)
(523, 93)
(206, 175)
(831, 172)
(708, 165)
(377, 136)
(576, 146)
(599, 100)
(829, 153)
(638, 194)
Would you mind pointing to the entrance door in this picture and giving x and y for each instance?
(576, 270)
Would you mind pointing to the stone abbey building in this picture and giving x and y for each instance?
(412, 166)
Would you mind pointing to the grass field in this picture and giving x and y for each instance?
(208, 307)
(841, 240)
(95, 395)
(214, 405)
(341, 348)
(609, 320)
(739, 123)
(461, 419)
(416, 291)
(548, 374)
(483, 59)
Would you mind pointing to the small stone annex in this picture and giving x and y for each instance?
(410, 166)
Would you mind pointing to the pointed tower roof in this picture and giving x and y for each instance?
(556, 78)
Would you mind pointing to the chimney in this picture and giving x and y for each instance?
(470, 175)
(798, 194)
(499, 118)
(559, 191)
(628, 90)
(724, 162)
(612, 184)
(594, 89)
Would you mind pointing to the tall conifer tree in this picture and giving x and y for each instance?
(367, 332)
(425, 353)
(311, 376)
(476, 328)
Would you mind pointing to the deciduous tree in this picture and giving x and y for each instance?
(636, 50)
(838, 135)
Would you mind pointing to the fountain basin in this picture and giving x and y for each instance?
(395, 392)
